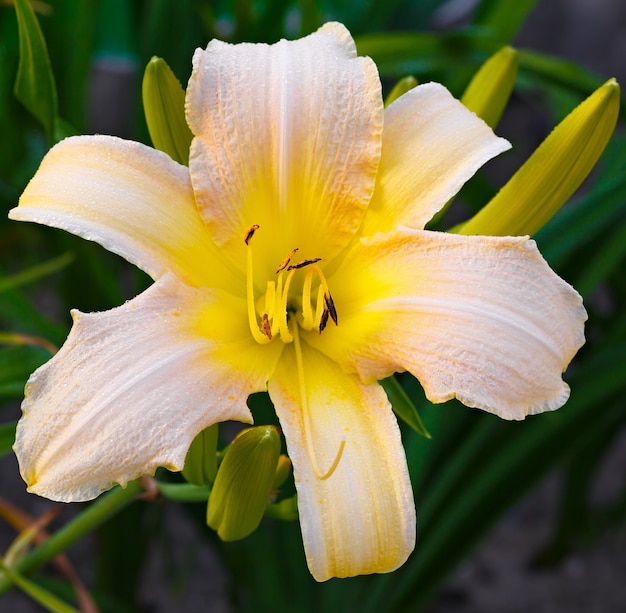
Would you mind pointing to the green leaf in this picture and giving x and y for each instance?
(402, 405)
(16, 364)
(45, 598)
(503, 17)
(36, 272)
(34, 85)
(7, 437)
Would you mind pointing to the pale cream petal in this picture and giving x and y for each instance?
(483, 319)
(288, 137)
(361, 519)
(131, 387)
(432, 145)
(135, 201)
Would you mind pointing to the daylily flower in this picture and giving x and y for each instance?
(290, 257)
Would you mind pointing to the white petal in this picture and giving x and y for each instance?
(483, 319)
(135, 201)
(361, 519)
(131, 387)
(288, 137)
(432, 145)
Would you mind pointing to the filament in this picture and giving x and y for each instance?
(322, 476)
(257, 334)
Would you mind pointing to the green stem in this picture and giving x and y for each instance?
(92, 517)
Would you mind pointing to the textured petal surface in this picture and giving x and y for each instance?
(483, 319)
(288, 137)
(135, 201)
(432, 145)
(362, 518)
(131, 387)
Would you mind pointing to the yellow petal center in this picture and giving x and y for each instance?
(279, 308)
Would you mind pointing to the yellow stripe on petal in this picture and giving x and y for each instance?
(131, 388)
(288, 137)
(133, 200)
(358, 517)
(482, 319)
(431, 146)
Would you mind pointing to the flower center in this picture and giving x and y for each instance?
(279, 308)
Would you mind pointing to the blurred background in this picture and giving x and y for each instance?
(545, 533)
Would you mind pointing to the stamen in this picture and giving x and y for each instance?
(265, 326)
(304, 263)
(307, 417)
(323, 320)
(282, 314)
(307, 312)
(330, 307)
(286, 261)
(258, 335)
(320, 307)
(270, 299)
(250, 232)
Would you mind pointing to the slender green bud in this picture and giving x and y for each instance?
(400, 88)
(283, 469)
(553, 172)
(164, 108)
(201, 461)
(490, 88)
(244, 483)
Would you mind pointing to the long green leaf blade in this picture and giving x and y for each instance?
(34, 85)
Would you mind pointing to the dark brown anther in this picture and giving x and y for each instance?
(323, 320)
(304, 263)
(250, 232)
(265, 326)
(330, 305)
(286, 261)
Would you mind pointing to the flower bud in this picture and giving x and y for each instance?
(283, 469)
(491, 87)
(201, 461)
(164, 108)
(400, 88)
(244, 483)
(553, 172)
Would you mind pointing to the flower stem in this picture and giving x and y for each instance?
(90, 519)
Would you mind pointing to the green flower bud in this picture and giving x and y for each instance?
(283, 469)
(400, 88)
(201, 461)
(553, 172)
(491, 87)
(244, 483)
(164, 108)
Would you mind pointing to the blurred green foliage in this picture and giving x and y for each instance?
(475, 466)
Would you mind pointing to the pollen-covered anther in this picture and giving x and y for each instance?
(286, 261)
(266, 327)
